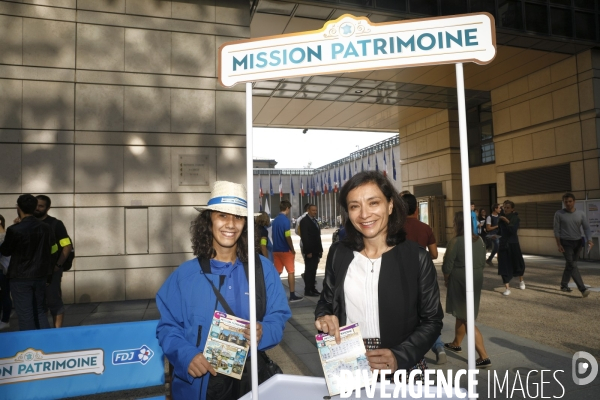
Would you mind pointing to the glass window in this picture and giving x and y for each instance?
(488, 154)
(561, 21)
(585, 27)
(485, 116)
(510, 14)
(487, 131)
(563, 2)
(587, 4)
(484, 6)
(399, 5)
(450, 7)
(428, 7)
(480, 135)
(536, 17)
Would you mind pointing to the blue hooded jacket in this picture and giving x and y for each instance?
(186, 303)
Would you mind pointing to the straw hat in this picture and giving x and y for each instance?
(227, 197)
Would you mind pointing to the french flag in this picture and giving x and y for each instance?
(280, 188)
(384, 165)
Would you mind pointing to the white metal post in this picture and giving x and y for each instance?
(251, 266)
(466, 193)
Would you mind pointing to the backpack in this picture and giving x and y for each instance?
(69, 261)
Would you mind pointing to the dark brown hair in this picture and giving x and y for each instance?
(284, 205)
(568, 195)
(260, 221)
(202, 238)
(395, 228)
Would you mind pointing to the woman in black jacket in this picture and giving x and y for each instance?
(379, 280)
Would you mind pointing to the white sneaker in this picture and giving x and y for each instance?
(4, 325)
(522, 285)
(506, 292)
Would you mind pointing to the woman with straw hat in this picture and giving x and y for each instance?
(187, 301)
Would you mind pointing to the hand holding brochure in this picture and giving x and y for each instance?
(226, 347)
(349, 355)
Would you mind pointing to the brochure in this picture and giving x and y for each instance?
(226, 347)
(349, 355)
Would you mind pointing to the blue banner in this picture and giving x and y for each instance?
(82, 360)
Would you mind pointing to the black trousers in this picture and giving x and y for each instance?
(571, 254)
(310, 272)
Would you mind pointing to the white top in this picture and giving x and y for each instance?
(361, 292)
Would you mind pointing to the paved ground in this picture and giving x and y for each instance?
(537, 329)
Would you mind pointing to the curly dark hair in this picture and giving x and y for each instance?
(202, 238)
(395, 228)
(261, 221)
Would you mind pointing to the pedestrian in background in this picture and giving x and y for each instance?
(454, 279)
(265, 246)
(474, 219)
(481, 224)
(510, 257)
(310, 234)
(53, 289)
(31, 245)
(283, 247)
(491, 226)
(5, 299)
(567, 232)
(422, 234)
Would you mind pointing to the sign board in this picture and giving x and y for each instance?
(352, 43)
(593, 215)
(193, 170)
(78, 361)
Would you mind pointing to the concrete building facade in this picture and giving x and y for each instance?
(546, 138)
(112, 108)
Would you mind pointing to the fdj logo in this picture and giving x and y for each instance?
(581, 368)
(131, 356)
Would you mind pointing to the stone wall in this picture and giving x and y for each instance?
(550, 118)
(547, 118)
(99, 101)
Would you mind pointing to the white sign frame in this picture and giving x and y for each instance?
(484, 53)
(351, 44)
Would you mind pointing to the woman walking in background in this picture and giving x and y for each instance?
(454, 279)
(510, 258)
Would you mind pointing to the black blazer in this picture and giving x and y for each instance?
(310, 235)
(410, 313)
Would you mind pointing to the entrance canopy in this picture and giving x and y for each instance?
(351, 44)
